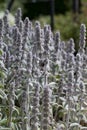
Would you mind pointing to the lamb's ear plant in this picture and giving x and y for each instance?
(18, 17)
(35, 108)
(38, 46)
(46, 108)
(11, 98)
(46, 53)
(57, 49)
(3, 76)
(43, 79)
(21, 27)
(6, 24)
(82, 67)
(24, 84)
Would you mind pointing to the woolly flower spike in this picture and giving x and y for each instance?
(11, 94)
(38, 36)
(57, 41)
(15, 33)
(11, 98)
(45, 28)
(14, 40)
(26, 26)
(18, 46)
(25, 40)
(70, 82)
(57, 47)
(82, 41)
(17, 58)
(64, 55)
(81, 85)
(6, 12)
(78, 68)
(37, 23)
(18, 17)
(6, 23)
(29, 63)
(71, 46)
(71, 60)
(62, 45)
(37, 31)
(71, 76)
(46, 107)
(35, 109)
(1, 28)
(78, 60)
(24, 108)
(21, 26)
(7, 60)
(47, 37)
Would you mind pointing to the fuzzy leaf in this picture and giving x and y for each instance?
(74, 124)
(2, 94)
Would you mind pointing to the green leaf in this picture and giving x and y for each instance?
(1, 51)
(16, 110)
(57, 76)
(1, 85)
(62, 99)
(2, 94)
(83, 128)
(2, 64)
(3, 121)
(74, 124)
(12, 126)
(3, 128)
(2, 74)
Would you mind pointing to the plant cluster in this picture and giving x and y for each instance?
(42, 81)
(67, 24)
